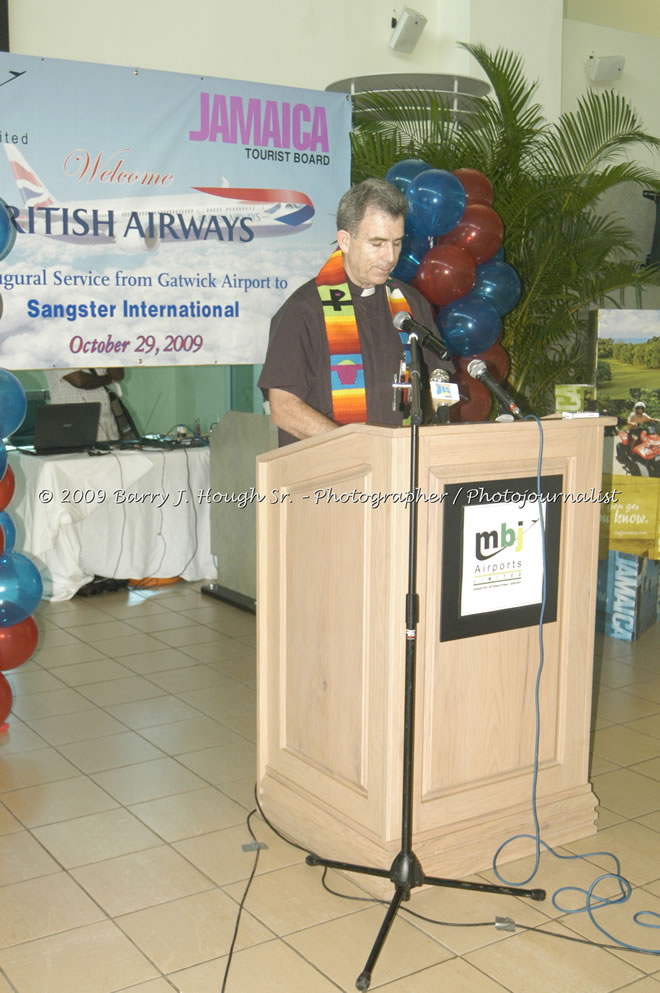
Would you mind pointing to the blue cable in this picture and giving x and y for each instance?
(591, 901)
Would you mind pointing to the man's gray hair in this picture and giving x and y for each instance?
(377, 193)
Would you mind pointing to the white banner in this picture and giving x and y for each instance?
(155, 218)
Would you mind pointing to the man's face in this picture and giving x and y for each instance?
(373, 251)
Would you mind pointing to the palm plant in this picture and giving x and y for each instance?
(549, 181)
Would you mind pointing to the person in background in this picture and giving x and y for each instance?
(639, 415)
(87, 386)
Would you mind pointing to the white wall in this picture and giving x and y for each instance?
(289, 42)
(639, 84)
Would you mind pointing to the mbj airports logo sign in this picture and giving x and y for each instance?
(502, 557)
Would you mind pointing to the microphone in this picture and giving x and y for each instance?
(478, 370)
(443, 395)
(404, 322)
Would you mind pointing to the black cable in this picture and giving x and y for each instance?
(242, 903)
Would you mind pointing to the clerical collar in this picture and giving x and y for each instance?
(368, 292)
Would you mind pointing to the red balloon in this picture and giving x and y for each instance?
(7, 487)
(475, 400)
(445, 273)
(6, 699)
(17, 643)
(478, 187)
(496, 359)
(479, 232)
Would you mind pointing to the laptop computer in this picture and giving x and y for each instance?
(66, 428)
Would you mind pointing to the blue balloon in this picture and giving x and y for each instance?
(469, 326)
(437, 203)
(20, 588)
(13, 403)
(499, 283)
(9, 529)
(7, 230)
(402, 173)
(412, 251)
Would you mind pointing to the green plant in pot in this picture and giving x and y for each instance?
(549, 179)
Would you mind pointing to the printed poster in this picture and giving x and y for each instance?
(154, 218)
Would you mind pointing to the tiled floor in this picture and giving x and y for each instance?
(125, 782)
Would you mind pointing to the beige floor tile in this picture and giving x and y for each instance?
(650, 769)
(161, 660)
(111, 752)
(551, 965)
(18, 737)
(223, 763)
(63, 800)
(93, 959)
(217, 700)
(131, 689)
(32, 679)
(155, 986)
(243, 669)
(455, 976)
(221, 648)
(195, 929)
(623, 746)
(133, 606)
(182, 637)
(620, 707)
(192, 677)
(222, 857)
(164, 621)
(189, 736)
(649, 690)
(637, 847)
(47, 905)
(606, 818)
(54, 638)
(598, 766)
(292, 898)
(619, 925)
(41, 765)
(189, 814)
(227, 620)
(147, 780)
(162, 709)
(8, 823)
(340, 947)
(73, 653)
(647, 985)
(285, 970)
(647, 725)
(241, 718)
(134, 644)
(4, 985)
(91, 634)
(651, 821)
(21, 857)
(626, 793)
(143, 879)
(93, 723)
(92, 672)
(96, 837)
(52, 704)
(240, 790)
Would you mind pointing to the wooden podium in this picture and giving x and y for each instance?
(332, 573)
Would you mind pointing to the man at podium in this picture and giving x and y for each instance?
(333, 350)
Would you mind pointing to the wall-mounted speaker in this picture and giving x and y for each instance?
(407, 30)
(605, 68)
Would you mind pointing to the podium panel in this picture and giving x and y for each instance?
(333, 550)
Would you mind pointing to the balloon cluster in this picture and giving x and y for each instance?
(452, 253)
(20, 582)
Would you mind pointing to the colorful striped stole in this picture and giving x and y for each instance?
(349, 399)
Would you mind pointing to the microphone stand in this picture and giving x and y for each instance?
(406, 871)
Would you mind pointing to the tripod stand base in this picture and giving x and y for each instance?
(406, 873)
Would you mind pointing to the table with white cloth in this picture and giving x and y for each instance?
(123, 515)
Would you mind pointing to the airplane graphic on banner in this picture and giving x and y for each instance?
(139, 223)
